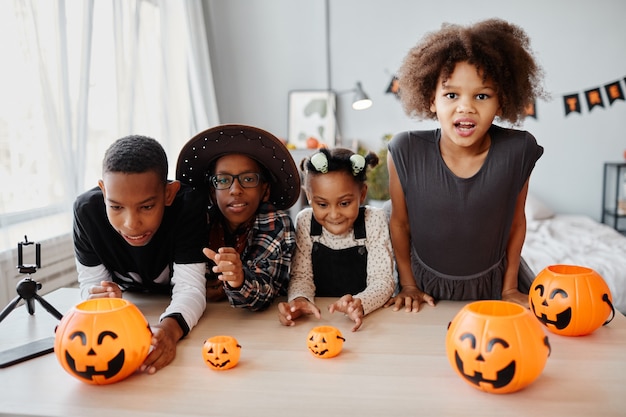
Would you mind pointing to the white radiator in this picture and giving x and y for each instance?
(57, 268)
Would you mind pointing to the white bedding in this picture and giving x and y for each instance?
(579, 240)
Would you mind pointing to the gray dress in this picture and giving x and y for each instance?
(460, 226)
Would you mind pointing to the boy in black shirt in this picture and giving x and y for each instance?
(137, 231)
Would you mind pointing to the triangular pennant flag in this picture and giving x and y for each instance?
(572, 103)
(614, 91)
(594, 98)
(393, 86)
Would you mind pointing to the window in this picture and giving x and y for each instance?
(78, 75)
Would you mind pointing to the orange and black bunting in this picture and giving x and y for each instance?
(594, 98)
(614, 91)
(572, 103)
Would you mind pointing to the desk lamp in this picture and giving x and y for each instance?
(361, 100)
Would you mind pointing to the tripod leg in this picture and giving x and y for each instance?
(49, 308)
(30, 305)
(9, 307)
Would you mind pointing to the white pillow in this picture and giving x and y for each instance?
(536, 209)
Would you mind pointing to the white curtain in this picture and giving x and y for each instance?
(76, 75)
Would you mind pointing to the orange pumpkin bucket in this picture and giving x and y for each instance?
(221, 352)
(571, 300)
(325, 342)
(496, 346)
(102, 341)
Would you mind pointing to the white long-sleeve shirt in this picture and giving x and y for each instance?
(188, 291)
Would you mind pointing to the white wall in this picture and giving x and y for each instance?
(261, 49)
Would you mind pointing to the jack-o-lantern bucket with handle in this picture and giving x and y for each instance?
(571, 300)
(221, 352)
(496, 346)
(325, 342)
(102, 341)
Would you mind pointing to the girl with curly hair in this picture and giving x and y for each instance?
(458, 192)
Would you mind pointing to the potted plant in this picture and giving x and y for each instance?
(378, 177)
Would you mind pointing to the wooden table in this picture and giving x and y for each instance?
(395, 365)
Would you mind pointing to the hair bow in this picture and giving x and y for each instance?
(320, 162)
(358, 163)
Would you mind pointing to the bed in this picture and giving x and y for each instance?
(575, 240)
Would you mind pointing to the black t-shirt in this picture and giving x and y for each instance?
(179, 239)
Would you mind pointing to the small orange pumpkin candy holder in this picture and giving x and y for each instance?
(496, 346)
(325, 342)
(221, 352)
(102, 341)
(571, 300)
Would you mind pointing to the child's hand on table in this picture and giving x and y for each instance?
(289, 312)
(351, 307)
(106, 289)
(411, 298)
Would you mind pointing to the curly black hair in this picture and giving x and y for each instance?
(499, 49)
(136, 154)
(339, 160)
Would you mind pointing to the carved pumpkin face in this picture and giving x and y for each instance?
(325, 342)
(102, 341)
(496, 346)
(570, 300)
(221, 352)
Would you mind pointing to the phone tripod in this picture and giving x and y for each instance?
(27, 288)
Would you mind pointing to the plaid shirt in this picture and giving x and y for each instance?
(266, 260)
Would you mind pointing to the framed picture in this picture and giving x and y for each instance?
(312, 118)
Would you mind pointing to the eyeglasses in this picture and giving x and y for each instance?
(246, 180)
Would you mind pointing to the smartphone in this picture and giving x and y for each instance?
(25, 352)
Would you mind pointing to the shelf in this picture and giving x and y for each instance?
(614, 195)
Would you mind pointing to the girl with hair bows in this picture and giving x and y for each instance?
(343, 248)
